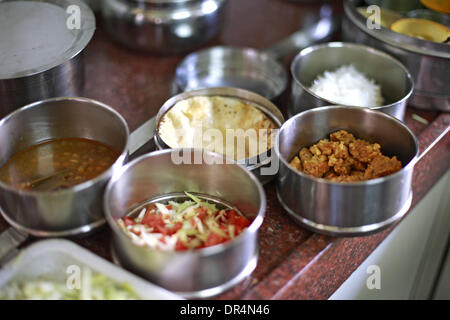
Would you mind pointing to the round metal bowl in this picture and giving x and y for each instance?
(394, 79)
(194, 273)
(232, 67)
(41, 57)
(163, 26)
(262, 165)
(345, 209)
(70, 211)
(428, 62)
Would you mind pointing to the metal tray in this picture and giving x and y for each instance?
(428, 62)
(51, 258)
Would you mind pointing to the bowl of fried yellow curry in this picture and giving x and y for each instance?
(55, 163)
(345, 171)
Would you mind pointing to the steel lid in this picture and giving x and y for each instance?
(35, 37)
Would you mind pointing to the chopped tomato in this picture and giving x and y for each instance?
(231, 214)
(169, 207)
(153, 220)
(236, 219)
(168, 231)
(214, 239)
(180, 246)
(242, 222)
(237, 230)
(202, 214)
(174, 229)
(161, 229)
(128, 221)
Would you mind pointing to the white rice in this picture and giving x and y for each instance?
(348, 86)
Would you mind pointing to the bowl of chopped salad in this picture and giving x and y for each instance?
(188, 226)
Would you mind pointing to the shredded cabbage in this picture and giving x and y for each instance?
(207, 205)
(94, 286)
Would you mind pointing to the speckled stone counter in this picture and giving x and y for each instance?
(294, 263)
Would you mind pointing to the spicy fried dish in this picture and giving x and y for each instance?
(343, 158)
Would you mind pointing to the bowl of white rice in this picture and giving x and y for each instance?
(351, 75)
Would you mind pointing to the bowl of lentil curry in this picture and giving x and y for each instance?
(55, 164)
(345, 171)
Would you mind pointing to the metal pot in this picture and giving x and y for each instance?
(428, 62)
(75, 210)
(345, 209)
(163, 26)
(194, 273)
(263, 165)
(394, 79)
(41, 56)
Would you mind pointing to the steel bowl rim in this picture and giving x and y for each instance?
(339, 44)
(208, 251)
(158, 13)
(370, 182)
(240, 94)
(265, 57)
(87, 33)
(87, 184)
(41, 233)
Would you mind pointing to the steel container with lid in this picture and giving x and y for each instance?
(41, 50)
(163, 26)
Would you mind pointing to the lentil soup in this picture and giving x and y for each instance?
(57, 164)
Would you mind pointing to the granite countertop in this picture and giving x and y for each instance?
(294, 263)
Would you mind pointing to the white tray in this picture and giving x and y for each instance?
(51, 258)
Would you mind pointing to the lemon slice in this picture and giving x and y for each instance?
(437, 5)
(421, 29)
